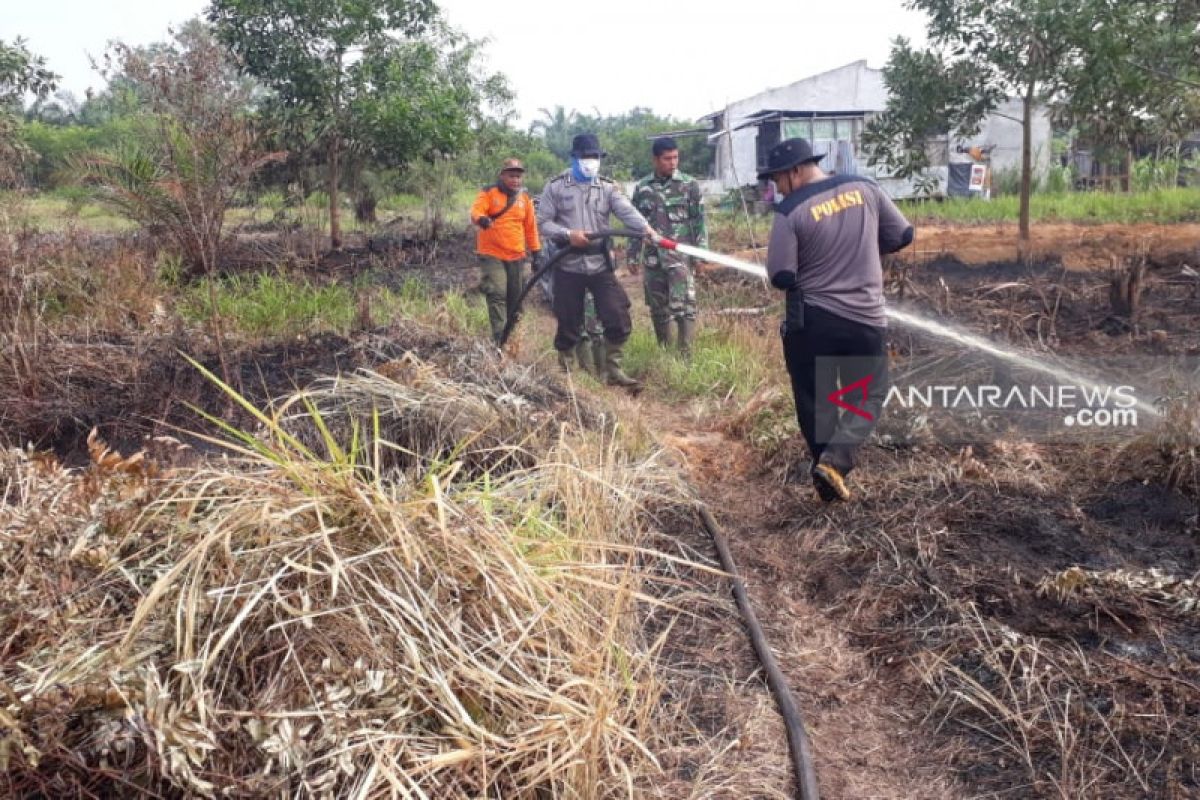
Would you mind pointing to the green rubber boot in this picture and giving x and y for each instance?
(566, 360)
(598, 355)
(615, 376)
(662, 332)
(687, 334)
(583, 354)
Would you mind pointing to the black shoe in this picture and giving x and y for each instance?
(830, 483)
(824, 491)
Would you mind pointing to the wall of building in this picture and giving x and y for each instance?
(1002, 128)
(849, 88)
(858, 87)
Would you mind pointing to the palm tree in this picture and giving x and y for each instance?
(556, 129)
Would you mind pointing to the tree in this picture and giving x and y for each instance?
(311, 53)
(556, 128)
(982, 51)
(429, 101)
(1022, 47)
(193, 151)
(927, 96)
(1129, 85)
(626, 137)
(21, 73)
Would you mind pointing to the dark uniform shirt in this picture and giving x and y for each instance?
(830, 233)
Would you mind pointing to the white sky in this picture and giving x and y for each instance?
(680, 58)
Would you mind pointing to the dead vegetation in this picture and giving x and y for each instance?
(1041, 596)
(313, 617)
(182, 620)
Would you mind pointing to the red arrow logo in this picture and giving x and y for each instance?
(861, 385)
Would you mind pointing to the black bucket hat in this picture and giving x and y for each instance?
(585, 143)
(787, 154)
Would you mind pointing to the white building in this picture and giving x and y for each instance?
(830, 110)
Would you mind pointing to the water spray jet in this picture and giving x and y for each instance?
(911, 320)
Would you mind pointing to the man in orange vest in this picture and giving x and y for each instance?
(507, 223)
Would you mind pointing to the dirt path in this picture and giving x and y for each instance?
(866, 744)
(866, 740)
(1078, 246)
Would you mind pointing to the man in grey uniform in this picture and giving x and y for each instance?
(824, 251)
(574, 203)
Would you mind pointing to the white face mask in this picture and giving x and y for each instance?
(590, 167)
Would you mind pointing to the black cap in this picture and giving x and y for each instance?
(787, 154)
(585, 143)
(664, 144)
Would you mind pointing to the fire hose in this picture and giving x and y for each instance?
(515, 312)
(798, 741)
(666, 244)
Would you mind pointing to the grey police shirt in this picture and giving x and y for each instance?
(566, 205)
(830, 233)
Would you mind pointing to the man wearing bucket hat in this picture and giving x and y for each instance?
(507, 223)
(573, 204)
(824, 251)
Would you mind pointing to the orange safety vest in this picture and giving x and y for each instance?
(513, 232)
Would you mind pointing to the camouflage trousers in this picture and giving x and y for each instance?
(670, 289)
(592, 329)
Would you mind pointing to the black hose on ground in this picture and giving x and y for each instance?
(798, 743)
(515, 312)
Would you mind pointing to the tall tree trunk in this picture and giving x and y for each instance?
(1024, 245)
(335, 143)
(1127, 177)
(335, 221)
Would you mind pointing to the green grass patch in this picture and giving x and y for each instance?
(723, 365)
(60, 210)
(272, 305)
(1155, 205)
(728, 229)
(407, 204)
(467, 312)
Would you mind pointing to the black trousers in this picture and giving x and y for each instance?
(839, 374)
(612, 307)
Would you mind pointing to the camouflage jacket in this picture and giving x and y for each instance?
(673, 207)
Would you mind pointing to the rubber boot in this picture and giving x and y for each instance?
(583, 354)
(687, 334)
(598, 353)
(662, 332)
(615, 376)
(566, 360)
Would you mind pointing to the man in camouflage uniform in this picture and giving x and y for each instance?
(573, 204)
(670, 201)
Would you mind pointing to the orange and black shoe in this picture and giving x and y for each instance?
(830, 483)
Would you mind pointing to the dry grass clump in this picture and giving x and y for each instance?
(287, 624)
(1036, 709)
(1055, 647)
(1123, 587)
(1178, 443)
(487, 414)
(82, 319)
